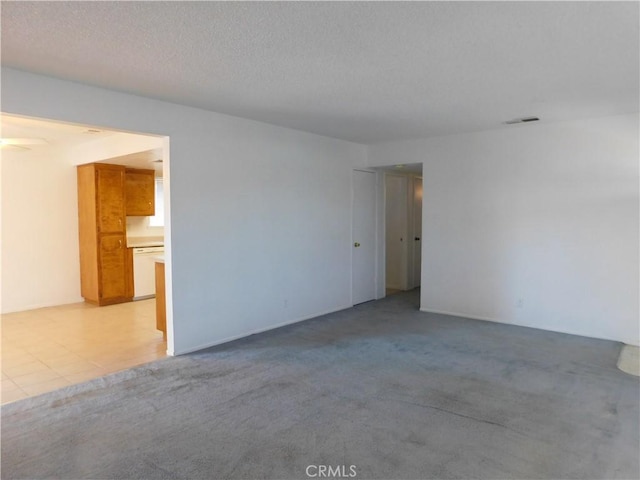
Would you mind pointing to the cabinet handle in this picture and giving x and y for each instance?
(120, 243)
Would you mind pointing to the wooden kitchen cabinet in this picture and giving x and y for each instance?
(106, 265)
(112, 266)
(110, 199)
(140, 192)
(161, 300)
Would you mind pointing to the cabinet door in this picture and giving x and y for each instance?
(140, 192)
(113, 281)
(110, 193)
(161, 299)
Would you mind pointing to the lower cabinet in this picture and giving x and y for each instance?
(115, 270)
(161, 299)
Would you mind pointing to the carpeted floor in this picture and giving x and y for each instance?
(393, 392)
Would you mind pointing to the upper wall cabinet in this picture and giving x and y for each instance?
(139, 192)
(110, 199)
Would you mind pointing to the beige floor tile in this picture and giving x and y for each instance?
(78, 367)
(44, 387)
(87, 375)
(17, 358)
(21, 369)
(49, 347)
(12, 396)
(49, 353)
(63, 360)
(9, 386)
(34, 378)
(102, 361)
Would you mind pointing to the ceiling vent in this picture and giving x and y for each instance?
(521, 120)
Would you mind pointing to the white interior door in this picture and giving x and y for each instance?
(417, 232)
(363, 260)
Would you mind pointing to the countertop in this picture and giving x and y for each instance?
(138, 242)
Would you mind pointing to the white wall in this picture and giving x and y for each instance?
(533, 225)
(139, 227)
(260, 229)
(40, 264)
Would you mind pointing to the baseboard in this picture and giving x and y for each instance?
(463, 315)
(633, 342)
(36, 306)
(144, 297)
(254, 332)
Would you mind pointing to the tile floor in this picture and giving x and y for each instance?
(48, 348)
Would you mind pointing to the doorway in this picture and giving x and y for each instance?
(402, 228)
(41, 277)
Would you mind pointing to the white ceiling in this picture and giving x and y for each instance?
(53, 134)
(362, 71)
(147, 160)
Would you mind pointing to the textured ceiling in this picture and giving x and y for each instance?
(367, 72)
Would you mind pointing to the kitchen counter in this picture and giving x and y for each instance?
(138, 242)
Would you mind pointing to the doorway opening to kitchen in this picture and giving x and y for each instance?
(62, 241)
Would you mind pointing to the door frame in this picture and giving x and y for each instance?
(381, 170)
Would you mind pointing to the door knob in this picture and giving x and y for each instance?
(356, 244)
(417, 239)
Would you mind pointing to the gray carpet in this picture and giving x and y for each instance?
(396, 393)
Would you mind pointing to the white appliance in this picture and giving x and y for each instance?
(144, 271)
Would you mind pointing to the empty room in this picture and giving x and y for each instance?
(387, 240)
